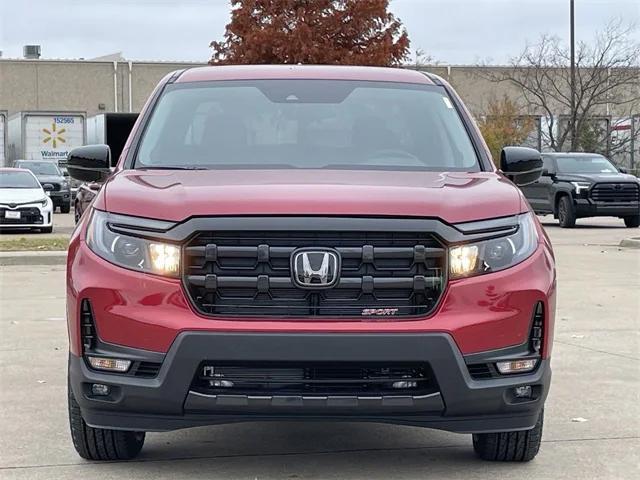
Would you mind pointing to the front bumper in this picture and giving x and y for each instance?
(44, 218)
(167, 402)
(61, 198)
(588, 208)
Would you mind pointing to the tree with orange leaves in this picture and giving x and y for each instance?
(348, 32)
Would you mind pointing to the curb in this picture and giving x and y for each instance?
(33, 258)
(633, 242)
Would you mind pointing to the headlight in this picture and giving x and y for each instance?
(131, 252)
(495, 254)
(64, 185)
(44, 201)
(581, 186)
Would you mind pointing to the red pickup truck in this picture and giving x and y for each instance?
(308, 242)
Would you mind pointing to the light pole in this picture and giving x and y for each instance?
(573, 76)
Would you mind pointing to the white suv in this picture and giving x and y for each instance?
(23, 201)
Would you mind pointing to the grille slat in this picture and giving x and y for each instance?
(249, 273)
(147, 369)
(615, 193)
(87, 324)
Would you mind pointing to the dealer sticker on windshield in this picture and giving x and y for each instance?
(447, 102)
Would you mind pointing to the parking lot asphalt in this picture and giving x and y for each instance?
(592, 423)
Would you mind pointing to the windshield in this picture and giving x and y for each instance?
(18, 180)
(41, 168)
(306, 124)
(585, 164)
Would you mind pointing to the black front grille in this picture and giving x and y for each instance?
(615, 193)
(314, 379)
(28, 215)
(249, 274)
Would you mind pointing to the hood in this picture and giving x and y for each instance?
(20, 195)
(598, 177)
(178, 194)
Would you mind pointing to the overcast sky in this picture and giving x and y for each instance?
(451, 31)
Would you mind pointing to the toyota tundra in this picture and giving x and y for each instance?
(308, 243)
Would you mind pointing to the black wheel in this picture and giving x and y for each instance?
(65, 208)
(101, 443)
(46, 230)
(509, 446)
(566, 212)
(632, 222)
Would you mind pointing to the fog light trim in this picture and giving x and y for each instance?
(100, 390)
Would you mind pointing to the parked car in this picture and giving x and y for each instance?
(579, 185)
(74, 185)
(48, 173)
(86, 193)
(23, 202)
(308, 242)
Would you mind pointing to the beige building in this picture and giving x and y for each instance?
(77, 85)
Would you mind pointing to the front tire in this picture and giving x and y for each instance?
(101, 443)
(510, 446)
(566, 212)
(632, 221)
(65, 208)
(46, 230)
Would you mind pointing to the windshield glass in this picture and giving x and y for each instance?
(306, 124)
(41, 168)
(18, 180)
(585, 164)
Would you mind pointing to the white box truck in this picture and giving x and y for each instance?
(3, 139)
(45, 135)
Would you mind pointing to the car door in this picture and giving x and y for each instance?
(539, 193)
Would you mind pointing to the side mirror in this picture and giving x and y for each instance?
(521, 164)
(623, 170)
(89, 163)
(65, 173)
(47, 187)
(95, 187)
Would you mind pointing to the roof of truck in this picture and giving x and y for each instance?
(305, 72)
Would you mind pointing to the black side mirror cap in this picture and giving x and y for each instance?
(522, 165)
(47, 187)
(90, 163)
(623, 170)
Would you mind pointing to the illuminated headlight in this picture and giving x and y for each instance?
(495, 254)
(44, 202)
(131, 252)
(581, 186)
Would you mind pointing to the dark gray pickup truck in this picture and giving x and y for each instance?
(578, 185)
